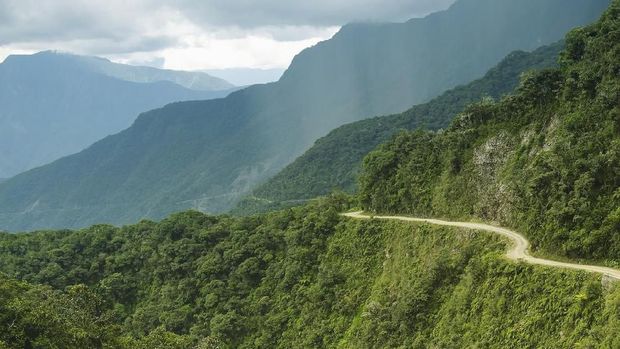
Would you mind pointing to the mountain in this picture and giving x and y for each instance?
(547, 156)
(57, 104)
(545, 161)
(206, 155)
(192, 80)
(334, 160)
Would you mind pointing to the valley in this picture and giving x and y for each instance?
(208, 155)
(450, 181)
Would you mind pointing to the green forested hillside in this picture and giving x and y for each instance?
(545, 161)
(207, 155)
(300, 278)
(334, 160)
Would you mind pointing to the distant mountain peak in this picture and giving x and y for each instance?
(56, 103)
(199, 81)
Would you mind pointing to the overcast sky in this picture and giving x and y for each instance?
(190, 34)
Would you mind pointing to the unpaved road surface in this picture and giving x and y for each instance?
(519, 251)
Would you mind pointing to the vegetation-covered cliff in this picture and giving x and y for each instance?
(335, 160)
(545, 160)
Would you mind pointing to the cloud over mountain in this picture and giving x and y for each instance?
(222, 34)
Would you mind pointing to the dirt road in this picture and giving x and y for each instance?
(519, 251)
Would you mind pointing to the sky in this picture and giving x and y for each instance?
(190, 34)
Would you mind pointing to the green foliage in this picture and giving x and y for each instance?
(40, 317)
(442, 288)
(299, 278)
(334, 161)
(191, 279)
(545, 160)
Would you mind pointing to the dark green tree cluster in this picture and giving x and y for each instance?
(198, 276)
(545, 160)
(41, 317)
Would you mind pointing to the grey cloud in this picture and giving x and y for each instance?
(252, 13)
(82, 25)
(118, 26)
(100, 46)
(34, 21)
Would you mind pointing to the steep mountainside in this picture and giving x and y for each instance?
(545, 161)
(334, 160)
(301, 278)
(53, 105)
(207, 154)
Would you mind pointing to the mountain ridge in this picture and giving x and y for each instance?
(257, 131)
(134, 73)
(60, 107)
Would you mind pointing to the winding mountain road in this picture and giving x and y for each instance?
(519, 251)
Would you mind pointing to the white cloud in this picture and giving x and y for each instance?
(209, 52)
